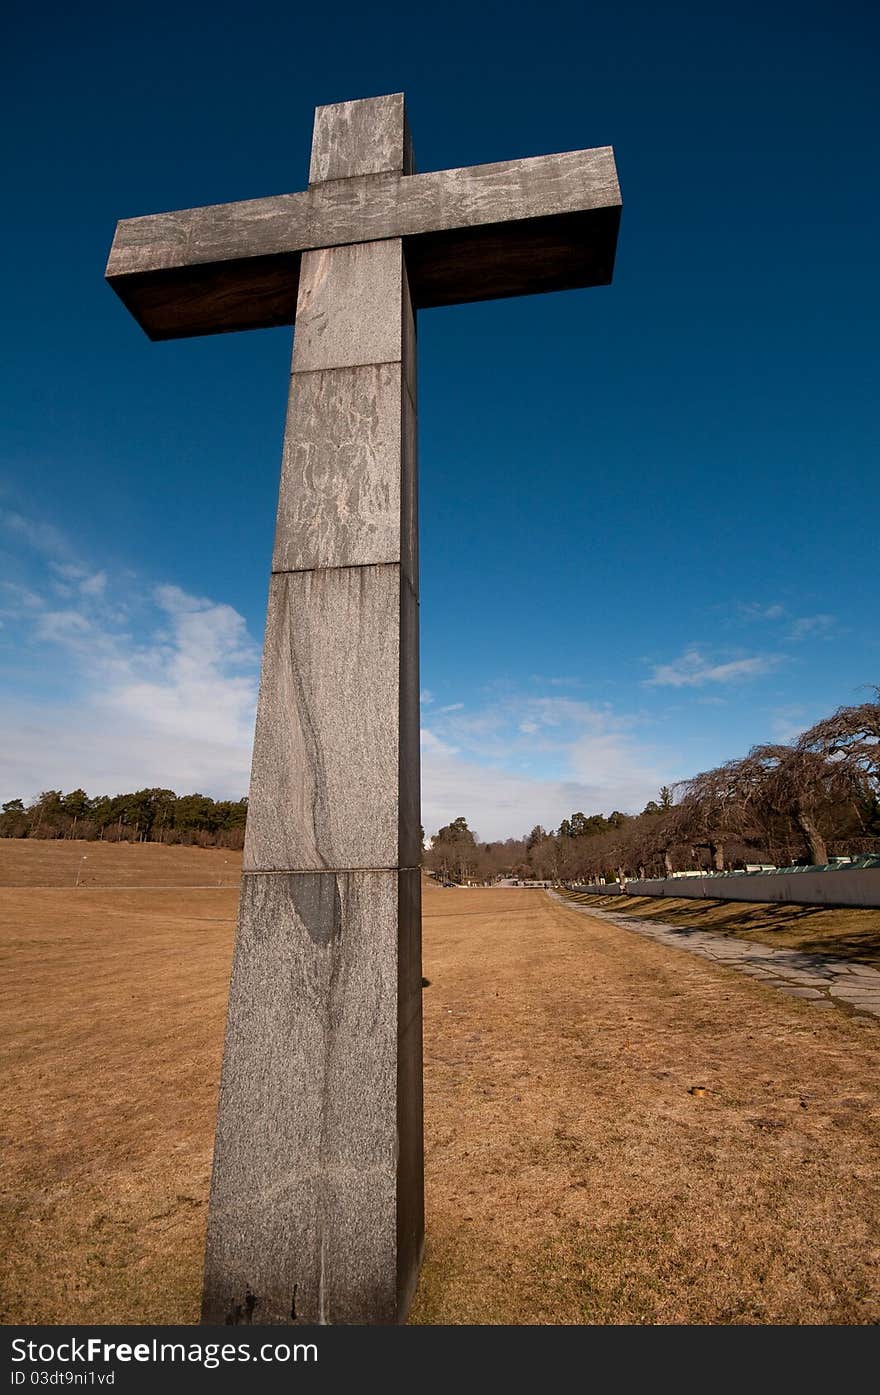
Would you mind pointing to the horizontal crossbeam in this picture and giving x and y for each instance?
(480, 233)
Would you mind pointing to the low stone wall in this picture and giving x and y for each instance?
(858, 886)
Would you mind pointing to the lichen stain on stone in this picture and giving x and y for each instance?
(318, 905)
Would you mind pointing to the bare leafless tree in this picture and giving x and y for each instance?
(799, 784)
(715, 808)
(850, 738)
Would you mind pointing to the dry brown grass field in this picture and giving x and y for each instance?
(572, 1176)
(68, 863)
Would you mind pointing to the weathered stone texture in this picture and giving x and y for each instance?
(340, 499)
(317, 1193)
(513, 228)
(409, 494)
(349, 306)
(307, 1193)
(369, 136)
(348, 492)
(369, 208)
(324, 783)
(410, 1147)
(409, 781)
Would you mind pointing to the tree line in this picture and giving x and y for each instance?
(145, 816)
(782, 805)
(816, 797)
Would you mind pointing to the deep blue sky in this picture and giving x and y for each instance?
(649, 511)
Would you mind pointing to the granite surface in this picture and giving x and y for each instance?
(512, 228)
(317, 1210)
(340, 498)
(369, 136)
(305, 1201)
(349, 307)
(410, 1108)
(324, 781)
(367, 208)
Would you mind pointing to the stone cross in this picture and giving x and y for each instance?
(316, 1209)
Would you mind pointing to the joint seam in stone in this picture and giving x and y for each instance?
(349, 367)
(344, 567)
(318, 871)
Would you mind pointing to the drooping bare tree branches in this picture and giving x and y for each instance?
(779, 803)
(790, 783)
(851, 739)
(716, 808)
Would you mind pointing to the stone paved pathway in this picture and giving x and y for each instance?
(817, 978)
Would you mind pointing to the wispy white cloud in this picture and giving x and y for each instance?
(161, 684)
(198, 678)
(787, 722)
(77, 578)
(814, 625)
(556, 682)
(44, 538)
(793, 627)
(527, 759)
(94, 585)
(755, 610)
(17, 598)
(692, 670)
(159, 688)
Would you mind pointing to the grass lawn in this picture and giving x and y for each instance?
(572, 1174)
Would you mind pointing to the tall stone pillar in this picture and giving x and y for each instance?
(316, 1211)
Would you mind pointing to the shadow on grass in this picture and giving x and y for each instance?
(817, 931)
